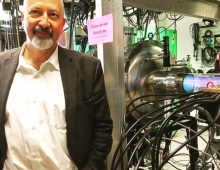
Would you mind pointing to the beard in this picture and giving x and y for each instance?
(42, 43)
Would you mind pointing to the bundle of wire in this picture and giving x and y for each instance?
(10, 27)
(80, 12)
(139, 134)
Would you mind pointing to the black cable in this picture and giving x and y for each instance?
(140, 140)
(17, 24)
(165, 123)
(209, 56)
(163, 18)
(79, 13)
(207, 164)
(157, 100)
(13, 28)
(122, 139)
(192, 138)
(194, 32)
(160, 132)
(174, 17)
(165, 29)
(205, 112)
(128, 15)
(177, 95)
(129, 111)
(155, 118)
(71, 24)
(207, 35)
(144, 152)
(213, 157)
(146, 26)
(173, 166)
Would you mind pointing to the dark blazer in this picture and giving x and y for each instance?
(89, 126)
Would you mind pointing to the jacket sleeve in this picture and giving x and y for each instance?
(102, 125)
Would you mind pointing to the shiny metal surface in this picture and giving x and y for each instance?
(139, 73)
(170, 81)
(208, 9)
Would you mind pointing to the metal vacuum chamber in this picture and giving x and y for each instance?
(145, 75)
(142, 60)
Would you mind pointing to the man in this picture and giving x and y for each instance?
(54, 113)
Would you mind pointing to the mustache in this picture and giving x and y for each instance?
(45, 30)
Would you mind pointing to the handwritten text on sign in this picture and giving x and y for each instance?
(100, 30)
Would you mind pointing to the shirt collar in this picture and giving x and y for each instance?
(53, 59)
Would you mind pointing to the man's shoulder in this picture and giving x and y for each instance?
(10, 51)
(77, 55)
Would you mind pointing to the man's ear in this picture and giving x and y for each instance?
(22, 17)
(64, 22)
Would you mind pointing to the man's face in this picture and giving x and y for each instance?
(43, 22)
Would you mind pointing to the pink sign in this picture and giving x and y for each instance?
(100, 30)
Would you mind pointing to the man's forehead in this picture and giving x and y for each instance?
(54, 2)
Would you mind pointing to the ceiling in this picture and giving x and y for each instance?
(207, 9)
(213, 1)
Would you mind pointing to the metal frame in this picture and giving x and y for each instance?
(112, 57)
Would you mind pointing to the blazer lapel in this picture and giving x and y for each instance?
(68, 72)
(6, 77)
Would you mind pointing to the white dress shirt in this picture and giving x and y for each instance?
(35, 112)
